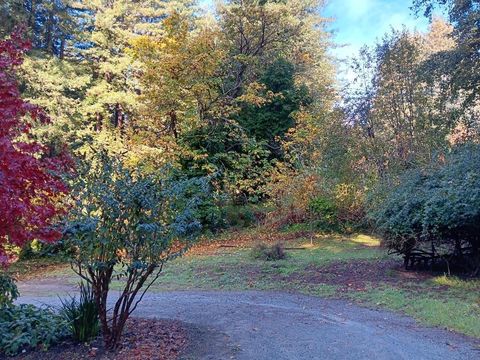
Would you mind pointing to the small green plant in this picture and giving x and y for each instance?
(239, 216)
(8, 290)
(25, 327)
(82, 315)
(324, 213)
(269, 253)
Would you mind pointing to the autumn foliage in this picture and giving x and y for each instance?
(29, 181)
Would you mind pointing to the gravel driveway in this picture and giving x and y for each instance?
(272, 325)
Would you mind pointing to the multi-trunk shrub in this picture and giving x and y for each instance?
(127, 225)
(433, 214)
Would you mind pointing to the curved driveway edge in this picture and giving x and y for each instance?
(257, 325)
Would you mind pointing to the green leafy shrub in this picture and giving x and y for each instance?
(269, 252)
(239, 216)
(30, 250)
(82, 315)
(435, 210)
(324, 212)
(127, 225)
(307, 197)
(240, 164)
(8, 290)
(209, 208)
(26, 327)
(326, 215)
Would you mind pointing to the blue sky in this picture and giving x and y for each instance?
(361, 22)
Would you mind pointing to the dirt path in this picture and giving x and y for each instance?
(265, 326)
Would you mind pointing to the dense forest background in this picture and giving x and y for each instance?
(246, 98)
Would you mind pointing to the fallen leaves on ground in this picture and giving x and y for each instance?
(143, 339)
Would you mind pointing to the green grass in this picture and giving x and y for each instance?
(442, 301)
(443, 309)
(236, 269)
(38, 266)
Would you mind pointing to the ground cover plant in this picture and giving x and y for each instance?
(26, 327)
(8, 290)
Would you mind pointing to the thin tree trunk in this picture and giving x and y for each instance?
(118, 116)
(173, 123)
(62, 47)
(98, 123)
(49, 33)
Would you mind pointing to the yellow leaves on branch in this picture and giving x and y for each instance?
(257, 94)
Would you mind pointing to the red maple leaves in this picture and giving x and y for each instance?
(29, 180)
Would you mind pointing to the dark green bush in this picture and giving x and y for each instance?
(208, 210)
(82, 315)
(436, 210)
(239, 216)
(26, 327)
(269, 252)
(8, 290)
(239, 162)
(324, 213)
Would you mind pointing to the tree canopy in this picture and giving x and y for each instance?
(30, 177)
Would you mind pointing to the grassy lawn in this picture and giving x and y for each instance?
(354, 268)
(236, 269)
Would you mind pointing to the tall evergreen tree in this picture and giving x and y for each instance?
(276, 115)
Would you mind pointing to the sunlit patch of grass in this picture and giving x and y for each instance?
(366, 240)
(236, 269)
(457, 283)
(335, 250)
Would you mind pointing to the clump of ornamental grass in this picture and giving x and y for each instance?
(266, 252)
(82, 315)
